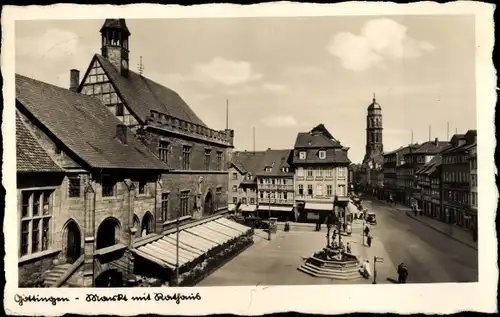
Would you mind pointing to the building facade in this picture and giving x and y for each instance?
(473, 189)
(78, 224)
(428, 179)
(420, 157)
(196, 185)
(405, 173)
(243, 187)
(320, 163)
(275, 181)
(456, 179)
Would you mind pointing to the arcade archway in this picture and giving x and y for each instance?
(209, 204)
(73, 242)
(107, 234)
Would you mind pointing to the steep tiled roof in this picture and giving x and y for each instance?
(276, 159)
(431, 166)
(142, 95)
(248, 162)
(333, 155)
(115, 24)
(83, 125)
(432, 147)
(30, 155)
(394, 151)
(320, 128)
(315, 141)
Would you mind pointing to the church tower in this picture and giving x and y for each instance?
(374, 145)
(114, 44)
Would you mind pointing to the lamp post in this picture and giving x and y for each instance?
(269, 218)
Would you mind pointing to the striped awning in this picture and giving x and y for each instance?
(193, 242)
(319, 206)
(275, 208)
(248, 207)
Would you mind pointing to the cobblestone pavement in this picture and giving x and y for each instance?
(429, 255)
(275, 262)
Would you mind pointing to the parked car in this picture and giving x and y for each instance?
(371, 218)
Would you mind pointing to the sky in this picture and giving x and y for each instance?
(287, 75)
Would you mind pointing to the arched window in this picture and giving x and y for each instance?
(147, 224)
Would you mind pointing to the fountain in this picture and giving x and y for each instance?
(333, 261)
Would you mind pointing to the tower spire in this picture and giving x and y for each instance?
(374, 99)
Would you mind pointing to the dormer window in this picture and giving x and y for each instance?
(284, 169)
(302, 155)
(268, 169)
(322, 154)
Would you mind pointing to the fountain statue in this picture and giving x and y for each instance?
(335, 260)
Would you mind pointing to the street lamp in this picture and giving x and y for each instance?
(269, 218)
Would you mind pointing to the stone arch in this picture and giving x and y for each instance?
(108, 233)
(147, 224)
(208, 202)
(72, 240)
(109, 278)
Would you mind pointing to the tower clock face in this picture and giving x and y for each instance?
(124, 64)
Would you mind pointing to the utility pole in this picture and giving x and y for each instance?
(429, 133)
(447, 131)
(140, 66)
(227, 114)
(253, 140)
(411, 137)
(269, 218)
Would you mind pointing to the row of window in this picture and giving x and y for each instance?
(108, 186)
(320, 190)
(310, 172)
(455, 159)
(457, 177)
(321, 155)
(457, 196)
(273, 195)
(244, 200)
(164, 150)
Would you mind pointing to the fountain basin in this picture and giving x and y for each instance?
(322, 264)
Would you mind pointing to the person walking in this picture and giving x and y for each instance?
(367, 231)
(369, 241)
(402, 273)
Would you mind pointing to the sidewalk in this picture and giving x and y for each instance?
(399, 207)
(451, 231)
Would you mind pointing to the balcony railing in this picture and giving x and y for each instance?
(167, 122)
(278, 187)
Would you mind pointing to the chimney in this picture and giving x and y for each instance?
(74, 79)
(121, 133)
(436, 141)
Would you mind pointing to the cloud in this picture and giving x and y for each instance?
(226, 72)
(379, 40)
(39, 56)
(279, 121)
(273, 87)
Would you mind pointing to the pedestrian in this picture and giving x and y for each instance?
(402, 273)
(369, 241)
(367, 231)
(365, 271)
(348, 247)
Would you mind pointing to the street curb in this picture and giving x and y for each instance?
(440, 231)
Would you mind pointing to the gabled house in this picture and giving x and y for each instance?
(275, 185)
(97, 194)
(320, 163)
(196, 185)
(456, 179)
(243, 181)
